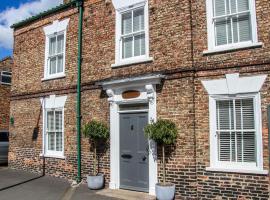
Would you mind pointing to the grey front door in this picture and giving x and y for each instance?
(134, 162)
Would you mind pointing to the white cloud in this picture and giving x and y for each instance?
(13, 15)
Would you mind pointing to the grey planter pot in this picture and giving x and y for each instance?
(95, 182)
(165, 192)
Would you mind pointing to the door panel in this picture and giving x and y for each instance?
(134, 163)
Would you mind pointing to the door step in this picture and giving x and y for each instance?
(125, 194)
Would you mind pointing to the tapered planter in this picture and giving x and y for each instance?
(95, 182)
(165, 192)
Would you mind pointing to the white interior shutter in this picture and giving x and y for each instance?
(219, 7)
(244, 28)
(127, 47)
(243, 5)
(221, 32)
(126, 23)
(138, 20)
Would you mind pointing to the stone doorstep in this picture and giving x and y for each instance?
(125, 194)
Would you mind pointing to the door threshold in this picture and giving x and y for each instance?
(125, 194)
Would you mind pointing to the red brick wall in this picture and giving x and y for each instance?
(5, 65)
(170, 46)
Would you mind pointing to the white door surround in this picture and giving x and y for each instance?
(114, 89)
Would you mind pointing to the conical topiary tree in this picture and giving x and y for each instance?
(163, 132)
(96, 131)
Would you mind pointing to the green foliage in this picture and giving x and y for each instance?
(96, 131)
(163, 132)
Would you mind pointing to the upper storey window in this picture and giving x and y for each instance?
(5, 78)
(231, 24)
(55, 49)
(132, 35)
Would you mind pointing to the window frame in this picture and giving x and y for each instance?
(2, 74)
(234, 166)
(119, 61)
(211, 31)
(47, 74)
(48, 152)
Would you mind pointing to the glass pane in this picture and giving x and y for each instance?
(59, 141)
(60, 44)
(219, 7)
(138, 20)
(243, 5)
(233, 6)
(249, 147)
(224, 146)
(239, 147)
(248, 114)
(221, 33)
(58, 120)
(60, 64)
(51, 141)
(244, 28)
(139, 45)
(235, 30)
(50, 121)
(224, 115)
(127, 23)
(229, 30)
(127, 47)
(6, 79)
(52, 46)
(52, 65)
(4, 137)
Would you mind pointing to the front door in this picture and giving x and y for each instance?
(134, 163)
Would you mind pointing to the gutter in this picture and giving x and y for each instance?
(79, 4)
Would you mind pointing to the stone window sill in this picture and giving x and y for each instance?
(52, 156)
(53, 77)
(233, 48)
(240, 171)
(132, 62)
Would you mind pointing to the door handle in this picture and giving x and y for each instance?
(144, 158)
(126, 156)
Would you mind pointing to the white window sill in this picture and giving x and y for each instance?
(132, 62)
(52, 156)
(53, 77)
(233, 47)
(235, 170)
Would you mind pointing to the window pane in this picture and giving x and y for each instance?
(224, 115)
(221, 34)
(52, 46)
(233, 6)
(52, 65)
(244, 28)
(219, 7)
(59, 141)
(58, 120)
(139, 45)
(138, 20)
(60, 44)
(51, 141)
(50, 121)
(6, 79)
(4, 137)
(127, 23)
(249, 147)
(248, 114)
(235, 30)
(242, 5)
(127, 47)
(224, 146)
(60, 64)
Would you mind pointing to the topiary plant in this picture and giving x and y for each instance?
(96, 131)
(163, 132)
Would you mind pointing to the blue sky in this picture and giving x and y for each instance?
(12, 11)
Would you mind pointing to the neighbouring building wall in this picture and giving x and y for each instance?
(5, 65)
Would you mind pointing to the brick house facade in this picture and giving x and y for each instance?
(5, 70)
(173, 74)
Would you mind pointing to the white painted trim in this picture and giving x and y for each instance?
(233, 47)
(133, 61)
(212, 48)
(56, 28)
(241, 171)
(52, 102)
(233, 84)
(125, 6)
(114, 90)
(52, 156)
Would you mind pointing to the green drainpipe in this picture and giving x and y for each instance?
(80, 7)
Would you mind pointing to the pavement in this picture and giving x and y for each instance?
(15, 184)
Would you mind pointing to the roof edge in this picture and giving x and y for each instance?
(44, 14)
(5, 58)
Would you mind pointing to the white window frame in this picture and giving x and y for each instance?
(240, 45)
(52, 30)
(53, 103)
(214, 161)
(119, 61)
(234, 86)
(50, 152)
(2, 74)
